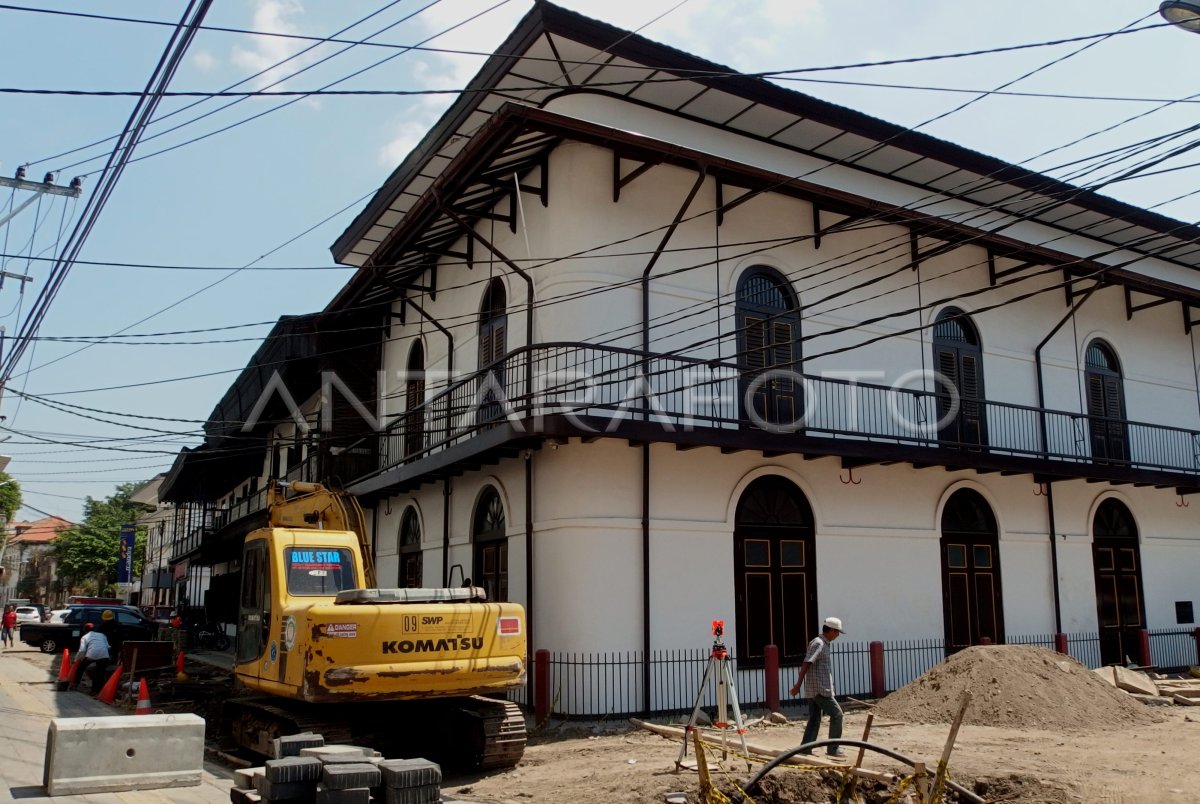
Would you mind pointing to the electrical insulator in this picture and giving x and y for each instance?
(49, 179)
(20, 172)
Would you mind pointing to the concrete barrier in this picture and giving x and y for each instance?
(112, 754)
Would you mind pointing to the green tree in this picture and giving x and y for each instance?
(10, 496)
(87, 552)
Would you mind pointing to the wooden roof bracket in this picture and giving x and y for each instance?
(620, 181)
(1069, 285)
(1131, 308)
(723, 207)
(479, 212)
(917, 256)
(542, 191)
(819, 231)
(1188, 321)
(467, 256)
(994, 274)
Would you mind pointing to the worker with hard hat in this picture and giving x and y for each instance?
(816, 676)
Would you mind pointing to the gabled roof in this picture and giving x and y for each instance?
(39, 531)
(554, 51)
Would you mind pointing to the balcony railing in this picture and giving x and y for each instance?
(679, 393)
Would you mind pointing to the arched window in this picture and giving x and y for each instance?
(488, 533)
(768, 340)
(493, 324)
(414, 400)
(410, 549)
(1116, 558)
(775, 570)
(1105, 403)
(958, 359)
(971, 599)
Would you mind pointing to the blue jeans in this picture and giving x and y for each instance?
(816, 706)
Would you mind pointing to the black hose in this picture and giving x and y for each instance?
(808, 747)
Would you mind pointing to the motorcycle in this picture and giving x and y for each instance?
(209, 637)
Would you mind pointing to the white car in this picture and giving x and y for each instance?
(28, 614)
(58, 615)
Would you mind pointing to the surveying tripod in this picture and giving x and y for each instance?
(725, 691)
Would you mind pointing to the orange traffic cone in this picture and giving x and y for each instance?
(109, 693)
(143, 702)
(64, 672)
(180, 675)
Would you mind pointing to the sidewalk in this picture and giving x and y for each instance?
(28, 701)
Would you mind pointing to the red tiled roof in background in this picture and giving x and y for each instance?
(38, 531)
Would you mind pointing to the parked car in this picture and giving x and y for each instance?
(53, 637)
(58, 615)
(28, 614)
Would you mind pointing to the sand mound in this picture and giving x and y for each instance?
(1015, 686)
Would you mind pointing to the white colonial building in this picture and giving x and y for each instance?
(662, 344)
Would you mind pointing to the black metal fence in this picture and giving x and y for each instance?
(598, 685)
(690, 393)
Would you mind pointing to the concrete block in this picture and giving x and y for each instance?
(292, 744)
(338, 753)
(126, 752)
(287, 791)
(427, 794)
(244, 777)
(402, 773)
(241, 795)
(348, 775)
(294, 769)
(354, 795)
(1133, 681)
(1107, 674)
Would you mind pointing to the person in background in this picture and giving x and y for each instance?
(7, 624)
(94, 652)
(817, 671)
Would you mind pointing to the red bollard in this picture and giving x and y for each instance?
(771, 670)
(878, 677)
(541, 686)
(1196, 635)
(1060, 643)
(985, 640)
(1144, 647)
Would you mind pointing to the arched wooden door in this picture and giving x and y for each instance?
(775, 569)
(1116, 558)
(488, 533)
(414, 401)
(410, 550)
(971, 594)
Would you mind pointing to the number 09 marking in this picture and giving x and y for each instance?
(410, 623)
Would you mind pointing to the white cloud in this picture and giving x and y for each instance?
(265, 51)
(405, 137)
(204, 61)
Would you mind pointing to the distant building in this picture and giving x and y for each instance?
(29, 566)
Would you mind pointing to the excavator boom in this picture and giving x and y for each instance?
(315, 506)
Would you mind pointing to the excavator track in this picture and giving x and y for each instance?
(502, 727)
(474, 733)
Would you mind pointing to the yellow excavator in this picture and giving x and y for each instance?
(409, 667)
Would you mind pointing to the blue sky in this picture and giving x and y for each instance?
(228, 199)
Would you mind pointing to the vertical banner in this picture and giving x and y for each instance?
(125, 556)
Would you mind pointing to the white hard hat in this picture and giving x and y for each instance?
(835, 623)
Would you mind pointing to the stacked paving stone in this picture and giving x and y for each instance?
(411, 781)
(306, 771)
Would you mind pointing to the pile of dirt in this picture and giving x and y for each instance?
(1016, 686)
(789, 786)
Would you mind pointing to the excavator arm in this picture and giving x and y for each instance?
(315, 506)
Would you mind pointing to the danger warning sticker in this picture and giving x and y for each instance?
(340, 630)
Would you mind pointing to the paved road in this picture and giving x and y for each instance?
(27, 703)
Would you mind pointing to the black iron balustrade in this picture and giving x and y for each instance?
(685, 393)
